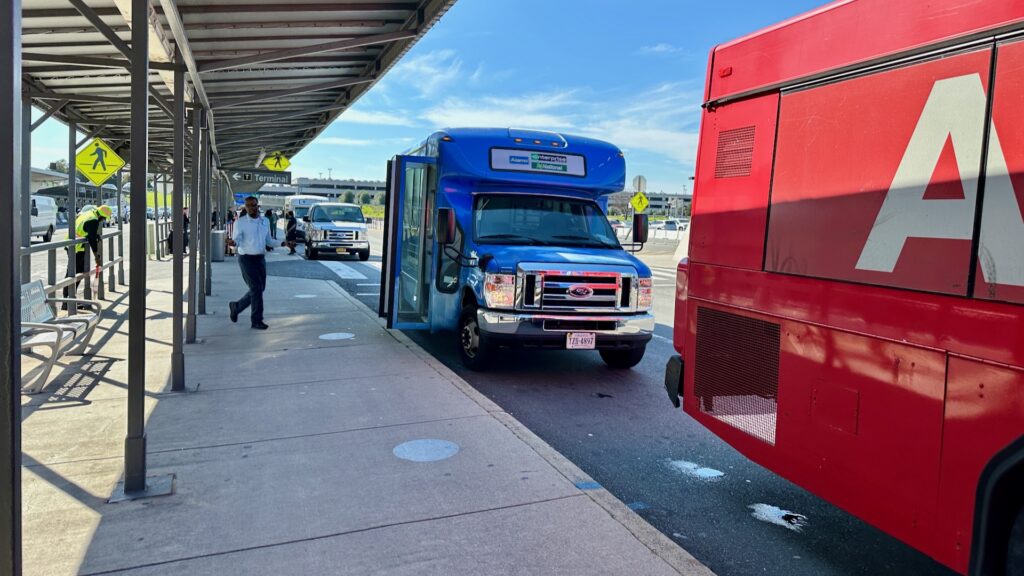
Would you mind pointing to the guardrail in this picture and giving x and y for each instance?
(53, 284)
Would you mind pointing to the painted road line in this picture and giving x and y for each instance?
(374, 294)
(370, 284)
(373, 265)
(344, 271)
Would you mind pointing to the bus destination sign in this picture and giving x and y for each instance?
(533, 161)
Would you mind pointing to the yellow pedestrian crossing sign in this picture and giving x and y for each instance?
(276, 162)
(639, 202)
(98, 162)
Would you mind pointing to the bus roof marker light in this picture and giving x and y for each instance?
(447, 139)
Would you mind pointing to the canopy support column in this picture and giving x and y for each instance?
(178, 232)
(193, 210)
(26, 185)
(10, 292)
(135, 442)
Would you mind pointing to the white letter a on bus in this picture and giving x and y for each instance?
(955, 111)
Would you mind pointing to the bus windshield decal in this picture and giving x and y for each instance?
(535, 161)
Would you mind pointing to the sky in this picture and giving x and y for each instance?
(627, 71)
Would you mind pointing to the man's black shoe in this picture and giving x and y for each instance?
(233, 307)
(260, 326)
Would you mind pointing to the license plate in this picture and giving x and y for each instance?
(580, 341)
(341, 250)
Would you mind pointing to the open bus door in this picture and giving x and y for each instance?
(406, 273)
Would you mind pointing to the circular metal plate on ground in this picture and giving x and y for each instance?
(337, 336)
(426, 450)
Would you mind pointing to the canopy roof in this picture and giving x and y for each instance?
(272, 73)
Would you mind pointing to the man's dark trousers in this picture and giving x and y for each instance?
(254, 272)
(80, 266)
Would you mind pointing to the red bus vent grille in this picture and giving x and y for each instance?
(736, 371)
(735, 152)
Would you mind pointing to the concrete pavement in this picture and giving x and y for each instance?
(326, 445)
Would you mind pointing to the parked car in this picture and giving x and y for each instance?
(44, 217)
(336, 228)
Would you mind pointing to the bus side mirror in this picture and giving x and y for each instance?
(639, 228)
(445, 226)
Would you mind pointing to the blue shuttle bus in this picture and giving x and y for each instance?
(501, 236)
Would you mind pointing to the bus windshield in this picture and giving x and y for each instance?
(337, 214)
(541, 221)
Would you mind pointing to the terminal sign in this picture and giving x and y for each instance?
(534, 161)
(98, 162)
(248, 175)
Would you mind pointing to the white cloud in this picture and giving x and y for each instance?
(542, 110)
(660, 48)
(428, 73)
(357, 116)
(337, 141)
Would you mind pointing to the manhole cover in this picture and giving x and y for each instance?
(426, 450)
(337, 336)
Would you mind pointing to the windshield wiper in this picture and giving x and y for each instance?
(590, 240)
(512, 237)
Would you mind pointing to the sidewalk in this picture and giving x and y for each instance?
(286, 458)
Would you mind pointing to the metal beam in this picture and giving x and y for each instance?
(102, 27)
(275, 94)
(268, 137)
(45, 95)
(24, 193)
(290, 7)
(309, 50)
(10, 291)
(91, 61)
(135, 441)
(46, 115)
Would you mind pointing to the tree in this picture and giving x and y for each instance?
(350, 197)
(382, 200)
(59, 166)
(365, 198)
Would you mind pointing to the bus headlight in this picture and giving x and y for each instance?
(500, 290)
(646, 294)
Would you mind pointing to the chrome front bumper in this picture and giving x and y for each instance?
(511, 323)
(348, 244)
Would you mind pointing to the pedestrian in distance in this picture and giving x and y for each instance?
(272, 218)
(251, 238)
(291, 232)
(88, 225)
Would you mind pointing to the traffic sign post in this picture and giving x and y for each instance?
(98, 162)
(276, 162)
(639, 202)
(640, 183)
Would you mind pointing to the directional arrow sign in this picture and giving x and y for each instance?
(250, 176)
(98, 162)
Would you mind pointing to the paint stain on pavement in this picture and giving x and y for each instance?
(779, 517)
(695, 470)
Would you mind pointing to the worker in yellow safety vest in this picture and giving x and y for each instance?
(88, 225)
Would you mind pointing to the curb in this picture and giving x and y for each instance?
(660, 545)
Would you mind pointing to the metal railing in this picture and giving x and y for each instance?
(53, 284)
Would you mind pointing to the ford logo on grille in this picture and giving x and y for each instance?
(580, 291)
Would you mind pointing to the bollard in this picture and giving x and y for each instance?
(110, 269)
(51, 267)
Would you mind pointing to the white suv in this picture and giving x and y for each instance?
(336, 228)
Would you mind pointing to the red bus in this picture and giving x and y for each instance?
(851, 314)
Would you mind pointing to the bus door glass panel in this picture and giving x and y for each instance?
(876, 177)
(999, 274)
(413, 246)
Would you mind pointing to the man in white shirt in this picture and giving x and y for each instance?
(251, 238)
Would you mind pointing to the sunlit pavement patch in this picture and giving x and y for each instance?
(588, 485)
(778, 516)
(305, 296)
(637, 506)
(337, 336)
(695, 470)
(427, 450)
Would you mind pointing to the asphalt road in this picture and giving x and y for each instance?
(620, 428)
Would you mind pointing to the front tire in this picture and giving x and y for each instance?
(474, 348)
(364, 255)
(49, 234)
(623, 359)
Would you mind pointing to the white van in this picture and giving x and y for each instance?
(44, 217)
(300, 205)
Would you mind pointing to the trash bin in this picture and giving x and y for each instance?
(217, 246)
